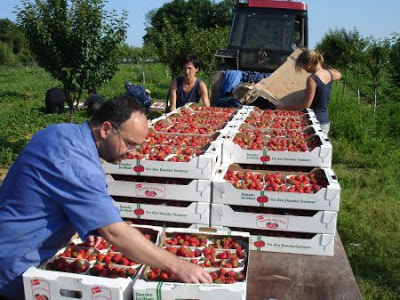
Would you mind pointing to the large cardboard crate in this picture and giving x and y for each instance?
(40, 283)
(199, 167)
(196, 212)
(327, 198)
(196, 190)
(153, 290)
(319, 156)
(317, 222)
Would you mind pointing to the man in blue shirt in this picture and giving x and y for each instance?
(57, 187)
(140, 93)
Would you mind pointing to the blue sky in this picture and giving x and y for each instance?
(370, 17)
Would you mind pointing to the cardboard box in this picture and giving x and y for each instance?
(285, 84)
(327, 198)
(196, 212)
(196, 190)
(318, 222)
(59, 285)
(319, 244)
(153, 290)
(320, 156)
(199, 167)
(54, 285)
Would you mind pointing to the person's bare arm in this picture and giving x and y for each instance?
(134, 245)
(172, 94)
(204, 94)
(336, 75)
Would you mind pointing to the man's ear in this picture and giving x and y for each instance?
(105, 129)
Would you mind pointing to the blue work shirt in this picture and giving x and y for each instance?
(140, 94)
(55, 188)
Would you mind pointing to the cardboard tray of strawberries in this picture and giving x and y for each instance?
(163, 210)
(172, 162)
(247, 148)
(180, 189)
(225, 256)
(297, 188)
(79, 271)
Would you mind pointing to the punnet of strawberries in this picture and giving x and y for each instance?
(276, 182)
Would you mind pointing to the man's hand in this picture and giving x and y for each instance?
(94, 240)
(191, 273)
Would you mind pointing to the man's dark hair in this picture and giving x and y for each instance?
(117, 110)
(191, 58)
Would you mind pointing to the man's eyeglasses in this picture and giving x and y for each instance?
(129, 146)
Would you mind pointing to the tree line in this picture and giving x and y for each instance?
(81, 44)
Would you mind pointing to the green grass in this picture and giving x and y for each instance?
(366, 161)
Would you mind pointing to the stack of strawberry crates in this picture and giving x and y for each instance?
(276, 182)
(168, 181)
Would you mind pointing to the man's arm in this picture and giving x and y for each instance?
(134, 245)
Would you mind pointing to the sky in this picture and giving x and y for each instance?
(371, 18)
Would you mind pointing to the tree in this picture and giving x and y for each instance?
(395, 60)
(13, 37)
(344, 49)
(197, 26)
(377, 63)
(76, 41)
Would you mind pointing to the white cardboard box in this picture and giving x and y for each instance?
(320, 244)
(320, 222)
(57, 285)
(148, 290)
(327, 198)
(196, 212)
(320, 156)
(199, 167)
(197, 190)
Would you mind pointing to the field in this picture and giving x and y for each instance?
(366, 161)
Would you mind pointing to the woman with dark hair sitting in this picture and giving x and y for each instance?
(188, 88)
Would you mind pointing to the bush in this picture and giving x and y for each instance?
(7, 57)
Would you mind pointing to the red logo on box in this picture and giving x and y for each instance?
(96, 290)
(35, 282)
(262, 199)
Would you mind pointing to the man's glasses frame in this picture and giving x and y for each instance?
(129, 146)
